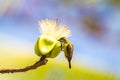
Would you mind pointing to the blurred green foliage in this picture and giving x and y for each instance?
(55, 71)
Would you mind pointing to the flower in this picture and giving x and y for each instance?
(53, 29)
(53, 40)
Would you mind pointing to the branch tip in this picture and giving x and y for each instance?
(27, 68)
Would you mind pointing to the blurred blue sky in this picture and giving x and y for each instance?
(99, 50)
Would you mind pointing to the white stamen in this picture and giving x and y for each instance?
(51, 28)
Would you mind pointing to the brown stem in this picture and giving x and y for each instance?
(34, 66)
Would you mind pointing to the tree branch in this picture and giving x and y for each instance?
(34, 66)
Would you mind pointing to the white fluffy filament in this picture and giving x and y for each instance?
(53, 29)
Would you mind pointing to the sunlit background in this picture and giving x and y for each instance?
(95, 27)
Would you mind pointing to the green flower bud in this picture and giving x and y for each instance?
(56, 50)
(36, 48)
(46, 45)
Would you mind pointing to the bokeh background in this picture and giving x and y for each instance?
(95, 27)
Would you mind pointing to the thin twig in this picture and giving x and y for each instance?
(34, 66)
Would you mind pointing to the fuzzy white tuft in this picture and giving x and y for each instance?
(53, 29)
